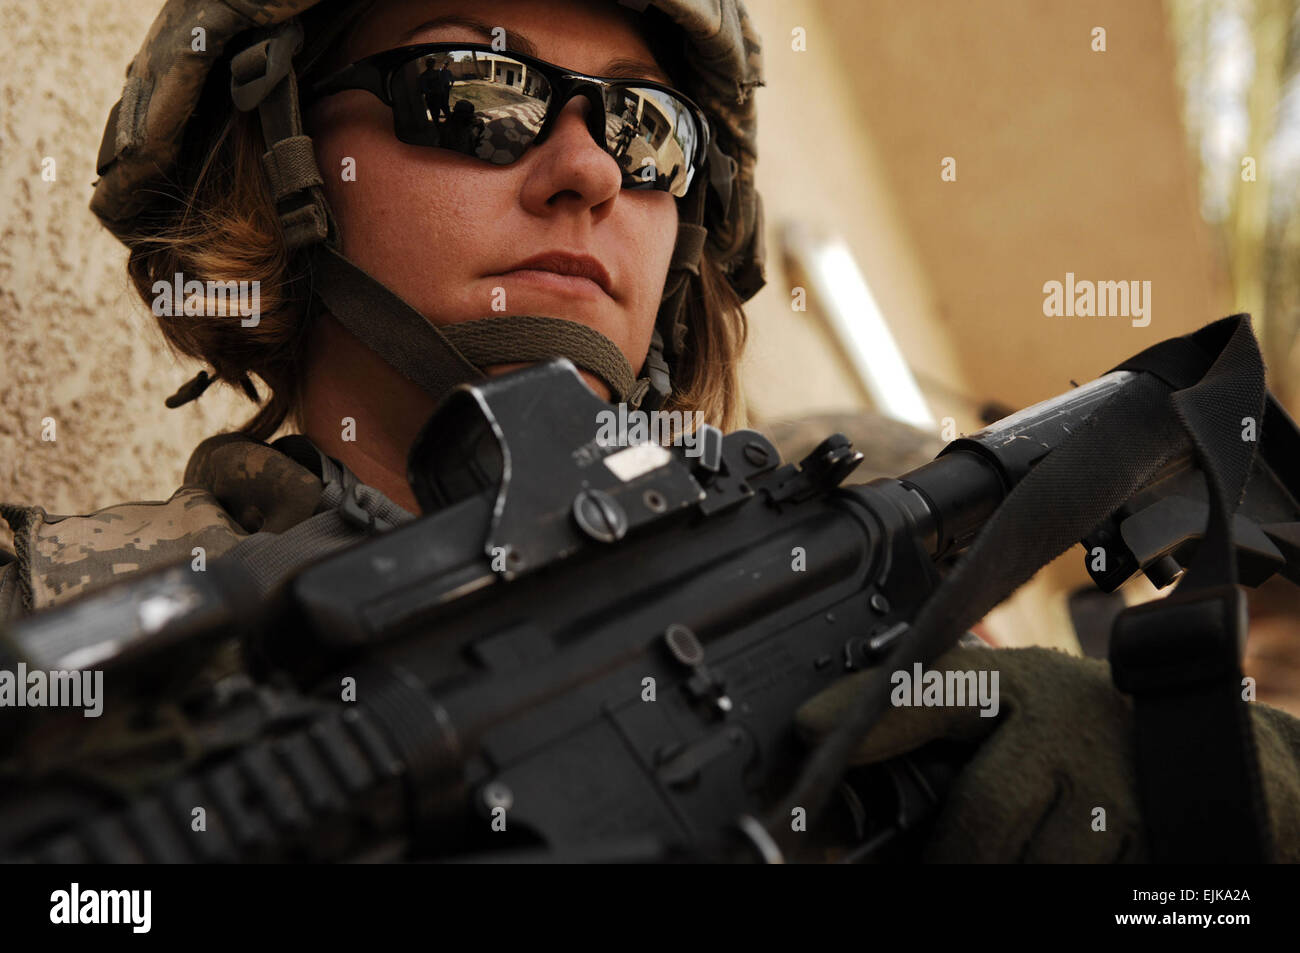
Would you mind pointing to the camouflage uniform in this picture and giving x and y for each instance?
(234, 487)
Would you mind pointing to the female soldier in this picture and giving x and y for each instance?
(385, 261)
(387, 251)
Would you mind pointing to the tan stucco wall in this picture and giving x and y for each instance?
(76, 344)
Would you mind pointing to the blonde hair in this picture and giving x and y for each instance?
(223, 225)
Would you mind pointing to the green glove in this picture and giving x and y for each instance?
(1059, 748)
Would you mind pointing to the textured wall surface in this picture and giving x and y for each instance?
(76, 344)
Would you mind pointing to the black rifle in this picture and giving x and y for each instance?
(580, 651)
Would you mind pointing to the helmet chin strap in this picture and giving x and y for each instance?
(438, 358)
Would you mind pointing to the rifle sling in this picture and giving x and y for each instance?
(1198, 389)
(349, 512)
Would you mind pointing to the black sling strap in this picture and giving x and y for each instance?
(1180, 658)
(1197, 390)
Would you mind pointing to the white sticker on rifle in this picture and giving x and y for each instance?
(634, 461)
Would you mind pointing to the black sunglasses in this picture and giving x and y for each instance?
(493, 105)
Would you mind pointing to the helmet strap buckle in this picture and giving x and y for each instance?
(262, 77)
(258, 68)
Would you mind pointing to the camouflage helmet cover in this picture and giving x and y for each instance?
(164, 83)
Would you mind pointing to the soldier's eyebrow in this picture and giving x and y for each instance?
(635, 69)
(621, 67)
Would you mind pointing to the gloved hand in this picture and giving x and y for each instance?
(1060, 747)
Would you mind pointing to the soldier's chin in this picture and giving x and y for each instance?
(594, 383)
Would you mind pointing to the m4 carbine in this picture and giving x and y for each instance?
(579, 651)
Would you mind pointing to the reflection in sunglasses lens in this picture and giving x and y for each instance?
(476, 103)
(652, 135)
(491, 106)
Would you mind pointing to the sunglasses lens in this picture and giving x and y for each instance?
(654, 136)
(478, 104)
(491, 106)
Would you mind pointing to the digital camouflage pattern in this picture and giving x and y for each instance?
(62, 556)
(234, 486)
(165, 80)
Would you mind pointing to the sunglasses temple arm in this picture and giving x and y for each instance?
(360, 75)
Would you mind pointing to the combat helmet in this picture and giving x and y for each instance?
(263, 43)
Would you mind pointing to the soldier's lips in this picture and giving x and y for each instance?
(568, 286)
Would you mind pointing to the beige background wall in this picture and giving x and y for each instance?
(75, 343)
(1067, 160)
